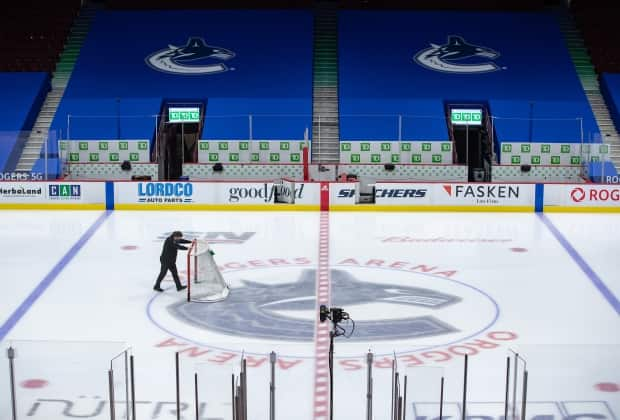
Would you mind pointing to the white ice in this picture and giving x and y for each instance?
(514, 279)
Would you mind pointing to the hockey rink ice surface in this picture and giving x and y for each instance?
(425, 288)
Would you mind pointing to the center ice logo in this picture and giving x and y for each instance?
(181, 60)
(261, 311)
(450, 57)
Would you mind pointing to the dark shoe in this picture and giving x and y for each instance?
(158, 289)
(181, 288)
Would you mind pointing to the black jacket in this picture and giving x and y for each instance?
(169, 251)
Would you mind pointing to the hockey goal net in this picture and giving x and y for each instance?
(204, 280)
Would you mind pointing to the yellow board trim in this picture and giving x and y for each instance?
(589, 209)
(398, 208)
(219, 207)
(50, 206)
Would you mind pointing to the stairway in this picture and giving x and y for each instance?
(589, 81)
(60, 78)
(325, 117)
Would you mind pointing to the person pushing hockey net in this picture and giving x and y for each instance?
(168, 259)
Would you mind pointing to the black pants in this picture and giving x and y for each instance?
(165, 266)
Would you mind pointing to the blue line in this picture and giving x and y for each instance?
(594, 278)
(539, 194)
(51, 276)
(109, 195)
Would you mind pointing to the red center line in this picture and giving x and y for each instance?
(321, 332)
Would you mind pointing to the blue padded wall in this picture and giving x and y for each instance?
(270, 73)
(610, 88)
(534, 78)
(22, 96)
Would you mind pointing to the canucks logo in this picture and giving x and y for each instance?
(256, 310)
(194, 58)
(458, 56)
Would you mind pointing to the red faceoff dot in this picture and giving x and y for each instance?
(518, 249)
(607, 387)
(129, 247)
(34, 383)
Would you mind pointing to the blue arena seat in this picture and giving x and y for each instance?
(413, 63)
(251, 62)
(22, 96)
(610, 88)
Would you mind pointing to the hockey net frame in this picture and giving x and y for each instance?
(192, 264)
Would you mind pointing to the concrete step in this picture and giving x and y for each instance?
(327, 143)
(325, 89)
(319, 75)
(325, 158)
(322, 147)
(326, 97)
(326, 131)
(327, 105)
(328, 140)
(30, 156)
(322, 150)
(325, 136)
(329, 118)
(32, 152)
(324, 106)
(325, 68)
(325, 84)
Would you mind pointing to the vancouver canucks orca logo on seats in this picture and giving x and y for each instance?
(458, 56)
(262, 311)
(194, 58)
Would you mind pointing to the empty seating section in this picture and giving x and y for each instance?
(414, 63)
(22, 96)
(240, 63)
(610, 88)
(598, 21)
(33, 33)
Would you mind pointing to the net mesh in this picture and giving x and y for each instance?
(205, 282)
